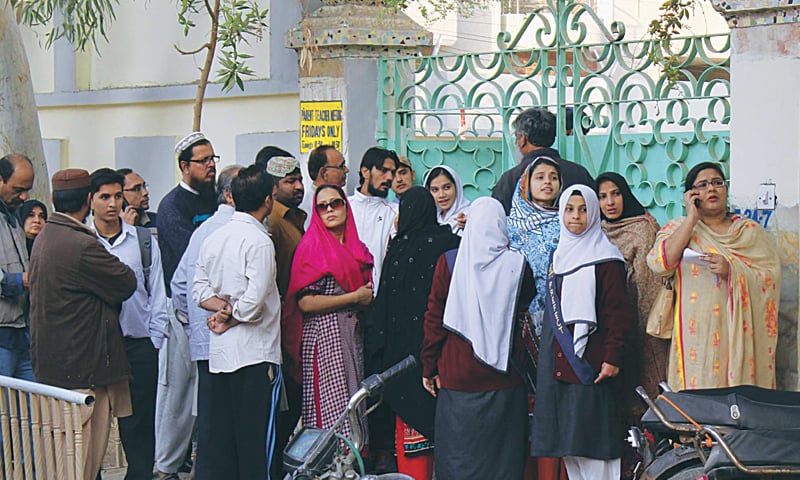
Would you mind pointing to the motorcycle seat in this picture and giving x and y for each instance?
(757, 448)
(743, 407)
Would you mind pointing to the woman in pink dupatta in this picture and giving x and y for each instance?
(331, 283)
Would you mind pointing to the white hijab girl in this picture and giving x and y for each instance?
(581, 246)
(451, 205)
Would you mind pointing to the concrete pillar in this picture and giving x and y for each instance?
(765, 141)
(338, 45)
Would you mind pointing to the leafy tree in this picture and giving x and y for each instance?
(233, 23)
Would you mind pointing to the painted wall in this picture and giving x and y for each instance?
(140, 87)
(765, 147)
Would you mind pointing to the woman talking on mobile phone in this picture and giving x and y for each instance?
(727, 289)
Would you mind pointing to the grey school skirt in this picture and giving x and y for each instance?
(481, 435)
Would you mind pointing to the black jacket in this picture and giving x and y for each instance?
(571, 174)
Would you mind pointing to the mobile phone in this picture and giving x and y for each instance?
(124, 204)
(696, 203)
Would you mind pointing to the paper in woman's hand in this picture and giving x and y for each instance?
(693, 256)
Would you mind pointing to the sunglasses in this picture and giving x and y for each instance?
(335, 204)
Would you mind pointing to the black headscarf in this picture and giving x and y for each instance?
(630, 205)
(394, 325)
(22, 213)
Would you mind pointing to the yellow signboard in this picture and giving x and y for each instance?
(320, 124)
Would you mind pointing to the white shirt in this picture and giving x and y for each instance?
(142, 315)
(237, 264)
(374, 217)
(307, 205)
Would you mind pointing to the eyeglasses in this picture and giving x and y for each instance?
(705, 184)
(342, 167)
(335, 204)
(206, 161)
(137, 188)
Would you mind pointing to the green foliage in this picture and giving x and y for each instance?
(79, 21)
(238, 22)
(669, 24)
(433, 10)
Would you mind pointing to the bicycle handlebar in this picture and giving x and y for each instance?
(374, 383)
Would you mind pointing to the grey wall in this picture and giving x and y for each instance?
(151, 157)
(248, 145)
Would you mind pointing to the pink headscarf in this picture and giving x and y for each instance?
(318, 254)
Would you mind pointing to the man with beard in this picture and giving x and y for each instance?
(373, 214)
(286, 222)
(184, 208)
(137, 200)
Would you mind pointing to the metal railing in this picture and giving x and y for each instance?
(41, 431)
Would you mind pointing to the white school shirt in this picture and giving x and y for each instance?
(237, 264)
(142, 315)
(374, 217)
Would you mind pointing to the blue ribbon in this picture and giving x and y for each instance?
(580, 366)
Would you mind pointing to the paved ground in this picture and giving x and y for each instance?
(119, 474)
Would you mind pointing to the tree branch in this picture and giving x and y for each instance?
(209, 9)
(192, 52)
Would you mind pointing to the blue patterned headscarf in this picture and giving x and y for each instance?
(526, 217)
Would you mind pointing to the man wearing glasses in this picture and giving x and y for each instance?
(326, 166)
(182, 210)
(136, 200)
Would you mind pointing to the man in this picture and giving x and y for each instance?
(184, 208)
(77, 289)
(286, 222)
(403, 178)
(235, 279)
(373, 214)
(136, 200)
(535, 130)
(185, 309)
(16, 179)
(191, 202)
(143, 317)
(326, 165)
(286, 228)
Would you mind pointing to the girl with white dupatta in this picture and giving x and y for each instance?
(471, 335)
(451, 205)
(587, 320)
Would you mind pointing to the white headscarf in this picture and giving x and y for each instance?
(460, 203)
(486, 277)
(575, 258)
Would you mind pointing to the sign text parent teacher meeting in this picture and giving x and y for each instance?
(320, 124)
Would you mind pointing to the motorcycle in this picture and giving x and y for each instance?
(735, 433)
(316, 454)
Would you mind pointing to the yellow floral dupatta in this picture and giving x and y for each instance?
(711, 349)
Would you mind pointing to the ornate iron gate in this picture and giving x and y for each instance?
(457, 109)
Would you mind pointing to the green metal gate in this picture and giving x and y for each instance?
(457, 109)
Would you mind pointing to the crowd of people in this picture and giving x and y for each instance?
(246, 306)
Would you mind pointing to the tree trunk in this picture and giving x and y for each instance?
(206, 71)
(19, 119)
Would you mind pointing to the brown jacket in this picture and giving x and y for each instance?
(77, 288)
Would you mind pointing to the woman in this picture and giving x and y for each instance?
(533, 225)
(451, 205)
(631, 229)
(394, 328)
(470, 331)
(331, 283)
(576, 415)
(33, 215)
(727, 289)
